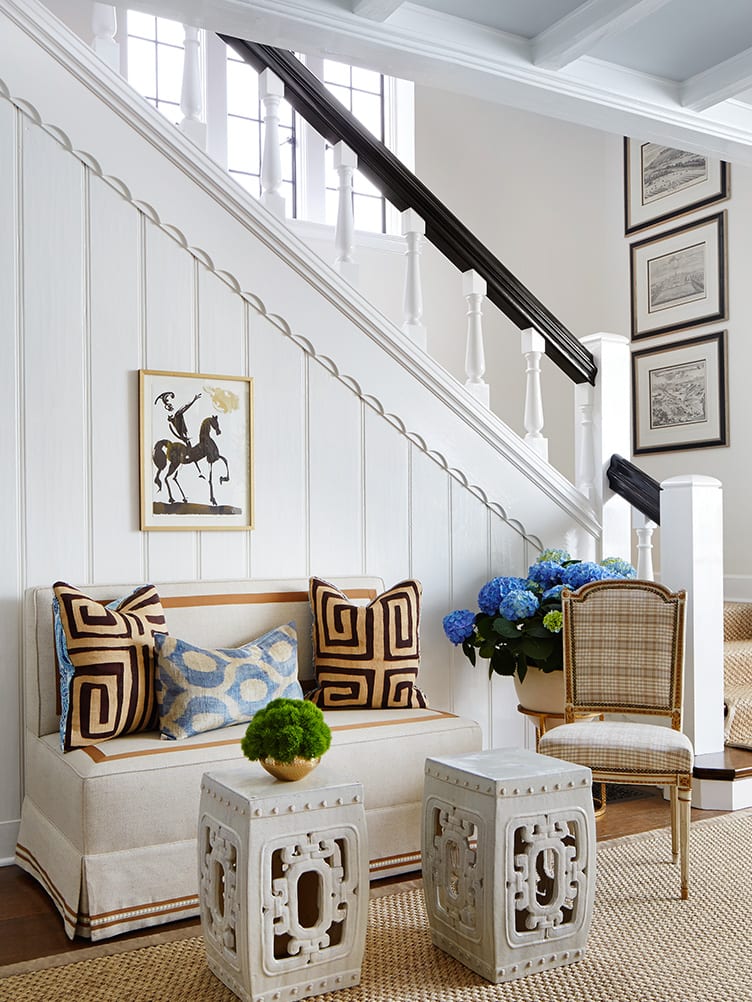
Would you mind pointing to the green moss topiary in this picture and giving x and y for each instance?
(286, 729)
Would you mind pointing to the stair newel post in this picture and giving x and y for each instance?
(644, 529)
(606, 408)
(192, 90)
(413, 230)
(533, 348)
(345, 162)
(271, 92)
(104, 29)
(692, 559)
(584, 476)
(474, 290)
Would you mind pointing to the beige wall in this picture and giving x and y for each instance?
(547, 198)
(544, 197)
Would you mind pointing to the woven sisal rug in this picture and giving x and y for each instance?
(645, 944)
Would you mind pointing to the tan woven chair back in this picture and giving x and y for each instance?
(624, 648)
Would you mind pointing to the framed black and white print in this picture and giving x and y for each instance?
(196, 450)
(678, 279)
(679, 395)
(661, 183)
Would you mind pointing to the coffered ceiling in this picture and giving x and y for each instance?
(673, 71)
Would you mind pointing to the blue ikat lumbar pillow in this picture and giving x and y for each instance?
(202, 690)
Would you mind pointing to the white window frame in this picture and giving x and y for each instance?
(399, 127)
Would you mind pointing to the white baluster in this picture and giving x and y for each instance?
(104, 29)
(413, 230)
(533, 346)
(644, 528)
(584, 477)
(192, 90)
(271, 92)
(345, 162)
(611, 433)
(474, 290)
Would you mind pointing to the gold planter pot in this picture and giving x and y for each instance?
(289, 771)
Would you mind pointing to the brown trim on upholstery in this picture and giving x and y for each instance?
(97, 754)
(437, 715)
(402, 858)
(257, 598)
(26, 854)
(124, 915)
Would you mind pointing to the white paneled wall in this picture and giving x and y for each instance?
(123, 248)
(338, 489)
(12, 535)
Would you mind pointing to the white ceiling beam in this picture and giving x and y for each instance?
(445, 52)
(718, 83)
(578, 32)
(376, 10)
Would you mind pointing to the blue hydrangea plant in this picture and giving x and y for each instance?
(520, 619)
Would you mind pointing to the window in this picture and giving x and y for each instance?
(245, 129)
(155, 60)
(362, 93)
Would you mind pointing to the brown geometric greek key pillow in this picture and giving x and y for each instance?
(107, 662)
(366, 657)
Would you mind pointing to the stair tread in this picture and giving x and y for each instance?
(730, 764)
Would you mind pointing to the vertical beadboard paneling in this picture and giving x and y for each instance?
(335, 475)
(430, 537)
(168, 283)
(387, 537)
(508, 557)
(279, 545)
(54, 361)
(221, 351)
(471, 565)
(115, 359)
(11, 571)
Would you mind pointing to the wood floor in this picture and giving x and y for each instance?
(30, 926)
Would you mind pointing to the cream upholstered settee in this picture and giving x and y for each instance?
(110, 830)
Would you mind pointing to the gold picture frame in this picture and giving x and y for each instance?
(195, 451)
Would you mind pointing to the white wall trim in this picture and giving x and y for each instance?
(47, 32)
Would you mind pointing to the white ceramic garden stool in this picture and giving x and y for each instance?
(283, 882)
(508, 860)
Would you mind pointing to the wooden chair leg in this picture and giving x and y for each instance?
(685, 800)
(675, 823)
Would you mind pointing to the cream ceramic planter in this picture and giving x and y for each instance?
(541, 691)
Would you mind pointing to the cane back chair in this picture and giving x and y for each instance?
(624, 654)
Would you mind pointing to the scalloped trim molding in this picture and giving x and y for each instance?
(85, 66)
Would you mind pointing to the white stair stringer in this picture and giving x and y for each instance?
(55, 79)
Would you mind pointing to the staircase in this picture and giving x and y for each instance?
(737, 673)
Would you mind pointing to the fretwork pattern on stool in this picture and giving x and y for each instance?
(508, 860)
(283, 883)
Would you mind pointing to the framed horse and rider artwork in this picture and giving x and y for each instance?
(196, 450)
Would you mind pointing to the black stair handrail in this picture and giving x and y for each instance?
(311, 99)
(635, 486)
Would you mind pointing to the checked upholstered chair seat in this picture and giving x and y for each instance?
(612, 745)
(624, 657)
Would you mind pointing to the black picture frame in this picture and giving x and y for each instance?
(662, 183)
(678, 279)
(679, 395)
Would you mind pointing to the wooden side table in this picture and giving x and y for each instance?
(508, 860)
(283, 882)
